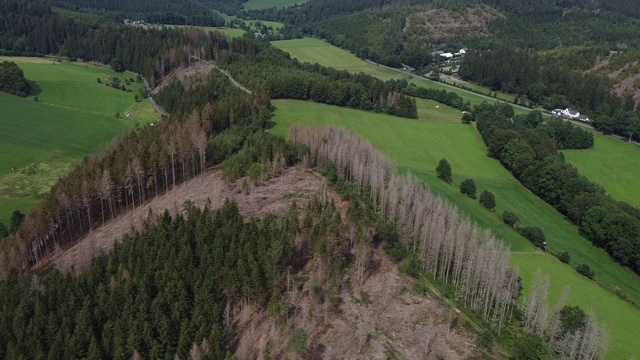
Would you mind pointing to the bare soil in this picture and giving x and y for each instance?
(444, 24)
(274, 196)
(396, 322)
(188, 76)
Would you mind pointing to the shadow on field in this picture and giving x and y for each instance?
(35, 88)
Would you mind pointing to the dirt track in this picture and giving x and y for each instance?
(275, 195)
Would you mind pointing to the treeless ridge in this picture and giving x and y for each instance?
(275, 196)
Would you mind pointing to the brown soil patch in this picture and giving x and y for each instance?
(188, 76)
(396, 321)
(444, 24)
(274, 196)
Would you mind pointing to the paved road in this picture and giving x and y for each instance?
(153, 102)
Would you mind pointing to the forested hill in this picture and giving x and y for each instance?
(394, 31)
(177, 12)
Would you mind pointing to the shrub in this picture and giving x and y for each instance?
(565, 257)
(510, 218)
(468, 187)
(444, 170)
(572, 318)
(487, 200)
(586, 270)
(298, 341)
(533, 234)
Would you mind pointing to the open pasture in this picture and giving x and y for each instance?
(316, 51)
(73, 117)
(417, 145)
(612, 163)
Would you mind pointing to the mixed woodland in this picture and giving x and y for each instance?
(173, 289)
(528, 147)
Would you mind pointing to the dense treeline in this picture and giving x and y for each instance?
(449, 245)
(169, 291)
(540, 81)
(12, 79)
(442, 96)
(521, 72)
(529, 148)
(273, 70)
(177, 12)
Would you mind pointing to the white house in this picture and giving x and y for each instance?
(447, 56)
(571, 113)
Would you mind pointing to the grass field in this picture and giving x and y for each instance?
(73, 117)
(417, 145)
(267, 4)
(613, 164)
(318, 51)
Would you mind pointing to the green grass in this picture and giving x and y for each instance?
(613, 164)
(417, 145)
(316, 51)
(312, 50)
(74, 117)
(267, 4)
(479, 88)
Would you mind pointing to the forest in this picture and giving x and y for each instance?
(12, 79)
(175, 12)
(528, 147)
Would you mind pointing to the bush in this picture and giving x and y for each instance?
(444, 170)
(510, 218)
(411, 266)
(533, 234)
(586, 270)
(298, 341)
(572, 318)
(468, 187)
(565, 257)
(487, 200)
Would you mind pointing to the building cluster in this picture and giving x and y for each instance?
(134, 22)
(447, 56)
(570, 113)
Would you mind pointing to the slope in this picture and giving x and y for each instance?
(418, 145)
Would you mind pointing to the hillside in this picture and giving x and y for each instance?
(73, 118)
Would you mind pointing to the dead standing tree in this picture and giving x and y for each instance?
(450, 246)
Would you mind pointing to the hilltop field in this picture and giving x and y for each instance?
(73, 117)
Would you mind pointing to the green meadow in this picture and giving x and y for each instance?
(267, 4)
(417, 146)
(73, 117)
(317, 51)
(612, 163)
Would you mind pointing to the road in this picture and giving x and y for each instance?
(153, 102)
(410, 74)
(546, 113)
